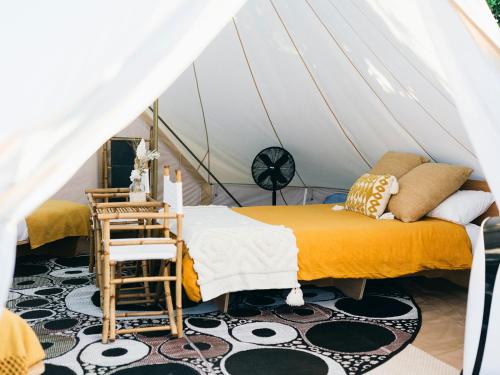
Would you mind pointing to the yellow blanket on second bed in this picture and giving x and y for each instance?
(344, 244)
(56, 219)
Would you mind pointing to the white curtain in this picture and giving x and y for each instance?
(470, 54)
(73, 74)
(467, 41)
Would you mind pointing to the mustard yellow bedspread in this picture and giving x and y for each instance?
(20, 350)
(344, 244)
(56, 219)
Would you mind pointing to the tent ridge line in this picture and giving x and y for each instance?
(394, 117)
(255, 83)
(148, 123)
(403, 86)
(197, 159)
(204, 119)
(202, 161)
(403, 55)
(259, 93)
(344, 131)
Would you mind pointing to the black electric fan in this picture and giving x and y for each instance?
(272, 169)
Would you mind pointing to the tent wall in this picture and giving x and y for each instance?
(334, 82)
(196, 190)
(252, 195)
(86, 176)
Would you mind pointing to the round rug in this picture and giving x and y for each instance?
(259, 335)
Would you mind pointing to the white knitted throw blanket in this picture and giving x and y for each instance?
(233, 252)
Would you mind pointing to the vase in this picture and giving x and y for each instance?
(145, 180)
(137, 191)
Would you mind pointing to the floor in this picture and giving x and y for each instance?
(443, 306)
(416, 362)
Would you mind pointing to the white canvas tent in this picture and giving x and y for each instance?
(326, 80)
(336, 82)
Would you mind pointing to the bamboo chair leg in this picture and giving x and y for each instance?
(168, 301)
(158, 288)
(95, 254)
(100, 277)
(118, 273)
(105, 320)
(95, 258)
(91, 251)
(112, 305)
(145, 273)
(178, 297)
(98, 255)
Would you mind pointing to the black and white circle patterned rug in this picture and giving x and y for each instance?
(331, 334)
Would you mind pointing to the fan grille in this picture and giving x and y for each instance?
(273, 168)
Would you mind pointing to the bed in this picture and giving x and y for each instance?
(348, 245)
(53, 220)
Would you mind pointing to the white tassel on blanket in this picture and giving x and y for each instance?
(295, 297)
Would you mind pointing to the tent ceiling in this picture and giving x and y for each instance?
(330, 81)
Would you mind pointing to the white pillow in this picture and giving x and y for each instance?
(463, 206)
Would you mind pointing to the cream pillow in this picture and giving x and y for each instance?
(424, 187)
(463, 206)
(397, 164)
(370, 194)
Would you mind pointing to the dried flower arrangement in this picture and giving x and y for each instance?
(142, 158)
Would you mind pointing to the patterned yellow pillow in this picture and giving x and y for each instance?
(370, 194)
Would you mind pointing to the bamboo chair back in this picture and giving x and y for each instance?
(172, 191)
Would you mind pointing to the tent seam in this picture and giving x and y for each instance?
(404, 87)
(403, 55)
(367, 83)
(204, 119)
(319, 90)
(259, 93)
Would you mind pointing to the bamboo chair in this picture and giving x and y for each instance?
(161, 248)
(93, 197)
(96, 197)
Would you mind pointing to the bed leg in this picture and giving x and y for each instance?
(222, 302)
(353, 288)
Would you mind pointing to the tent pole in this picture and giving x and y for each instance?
(197, 159)
(153, 145)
